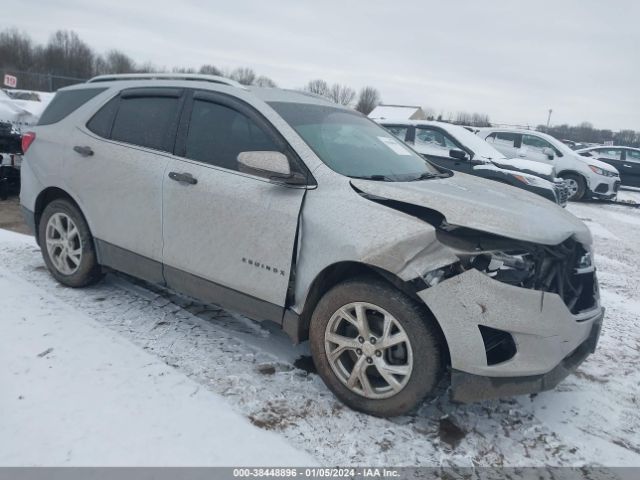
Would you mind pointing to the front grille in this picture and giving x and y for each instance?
(559, 270)
(562, 192)
(616, 185)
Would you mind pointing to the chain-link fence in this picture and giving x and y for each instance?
(42, 82)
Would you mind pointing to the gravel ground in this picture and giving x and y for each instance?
(592, 418)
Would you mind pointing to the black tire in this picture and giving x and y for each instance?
(425, 340)
(581, 184)
(88, 271)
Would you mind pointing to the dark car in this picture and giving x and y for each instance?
(456, 148)
(10, 149)
(625, 159)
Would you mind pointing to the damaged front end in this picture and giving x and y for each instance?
(517, 315)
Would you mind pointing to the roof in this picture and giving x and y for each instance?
(607, 147)
(397, 112)
(167, 76)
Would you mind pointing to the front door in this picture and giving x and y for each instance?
(536, 148)
(229, 237)
(436, 145)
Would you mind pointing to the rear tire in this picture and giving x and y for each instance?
(577, 186)
(67, 245)
(386, 369)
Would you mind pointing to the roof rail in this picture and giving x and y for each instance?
(167, 76)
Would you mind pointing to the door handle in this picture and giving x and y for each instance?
(625, 165)
(84, 151)
(522, 155)
(183, 178)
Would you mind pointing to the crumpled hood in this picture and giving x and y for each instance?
(487, 206)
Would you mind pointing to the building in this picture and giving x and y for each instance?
(397, 112)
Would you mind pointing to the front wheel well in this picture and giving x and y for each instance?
(45, 197)
(341, 271)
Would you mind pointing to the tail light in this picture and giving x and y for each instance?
(27, 140)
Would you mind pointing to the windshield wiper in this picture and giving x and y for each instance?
(379, 178)
(429, 175)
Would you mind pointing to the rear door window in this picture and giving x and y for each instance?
(148, 119)
(633, 155)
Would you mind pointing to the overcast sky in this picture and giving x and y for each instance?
(512, 60)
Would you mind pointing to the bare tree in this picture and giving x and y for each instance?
(114, 61)
(368, 99)
(318, 86)
(210, 70)
(183, 70)
(65, 54)
(16, 50)
(341, 94)
(244, 75)
(263, 81)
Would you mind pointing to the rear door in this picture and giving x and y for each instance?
(117, 169)
(229, 236)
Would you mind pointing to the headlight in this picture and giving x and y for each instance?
(531, 180)
(603, 172)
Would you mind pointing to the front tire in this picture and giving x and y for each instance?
(577, 186)
(67, 245)
(375, 348)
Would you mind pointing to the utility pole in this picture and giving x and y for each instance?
(549, 118)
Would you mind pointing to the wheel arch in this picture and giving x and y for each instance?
(346, 270)
(44, 198)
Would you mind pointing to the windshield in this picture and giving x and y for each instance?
(353, 145)
(473, 142)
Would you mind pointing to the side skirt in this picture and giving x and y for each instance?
(199, 288)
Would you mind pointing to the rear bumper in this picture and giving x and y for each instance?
(29, 218)
(467, 387)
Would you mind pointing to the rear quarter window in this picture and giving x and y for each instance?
(66, 102)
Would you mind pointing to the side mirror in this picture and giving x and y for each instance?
(458, 154)
(271, 165)
(549, 153)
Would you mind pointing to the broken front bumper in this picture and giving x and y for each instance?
(466, 387)
(546, 334)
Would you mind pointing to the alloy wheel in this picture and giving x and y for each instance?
(572, 185)
(64, 244)
(368, 350)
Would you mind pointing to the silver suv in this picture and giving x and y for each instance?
(284, 207)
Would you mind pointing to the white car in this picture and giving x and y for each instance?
(585, 177)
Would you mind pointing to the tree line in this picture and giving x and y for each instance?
(585, 132)
(66, 59)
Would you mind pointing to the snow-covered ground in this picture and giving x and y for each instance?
(592, 418)
(77, 393)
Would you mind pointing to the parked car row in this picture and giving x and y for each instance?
(586, 179)
(285, 207)
(456, 148)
